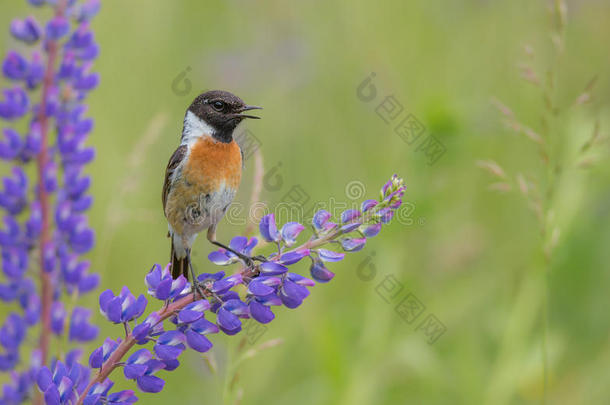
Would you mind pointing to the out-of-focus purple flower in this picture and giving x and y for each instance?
(13, 331)
(88, 10)
(58, 317)
(57, 28)
(60, 383)
(268, 228)
(35, 71)
(15, 104)
(11, 146)
(15, 66)
(80, 328)
(27, 30)
(162, 286)
(123, 307)
(37, 3)
(13, 198)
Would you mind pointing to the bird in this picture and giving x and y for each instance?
(203, 175)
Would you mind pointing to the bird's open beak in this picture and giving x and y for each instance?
(248, 108)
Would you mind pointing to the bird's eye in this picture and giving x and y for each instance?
(218, 105)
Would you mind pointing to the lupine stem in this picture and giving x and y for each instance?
(46, 284)
(115, 358)
(42, 160)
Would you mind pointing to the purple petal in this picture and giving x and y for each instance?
(198, 342)
(203, 327)
(292, 294)
(330, 256)
(172, 337)
(150, 383)
(189, 316)
(320, 273)
(320, 218)
(163, 290)
(350, 227)
(44, 378)
(300, 280)
(268, 228)
(350, 215)
(165, 352)
(221, 258)
(27, 30)
(133, 371)
(225, 284)
(353, 244)
(293, 257)
(236, 307)
(57, 28)
(97, 358)
(238, 243)
(229, 323)
(257, 288)
(272, 268)
(371, 230)
(368, 204)
(290, 232)
(260, 312)
(51, 396)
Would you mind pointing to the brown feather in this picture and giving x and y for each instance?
(173, 163)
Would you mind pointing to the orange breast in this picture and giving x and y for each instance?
(211, 163)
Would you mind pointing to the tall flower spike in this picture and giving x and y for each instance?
(38, 247)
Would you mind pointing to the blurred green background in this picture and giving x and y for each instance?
(470, 255)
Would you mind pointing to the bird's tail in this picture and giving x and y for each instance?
(179, 265)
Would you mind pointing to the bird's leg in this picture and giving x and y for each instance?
(196, 287)
(249, 260)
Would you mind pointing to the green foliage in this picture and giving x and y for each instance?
(471, 256)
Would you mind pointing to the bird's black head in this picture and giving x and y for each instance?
(222, 111)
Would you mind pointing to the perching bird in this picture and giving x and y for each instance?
(203, 174)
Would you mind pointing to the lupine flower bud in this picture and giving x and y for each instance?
(290, 231)
(320, 273)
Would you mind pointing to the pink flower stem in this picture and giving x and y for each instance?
(42, 160)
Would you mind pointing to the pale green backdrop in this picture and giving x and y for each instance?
(470, 255)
